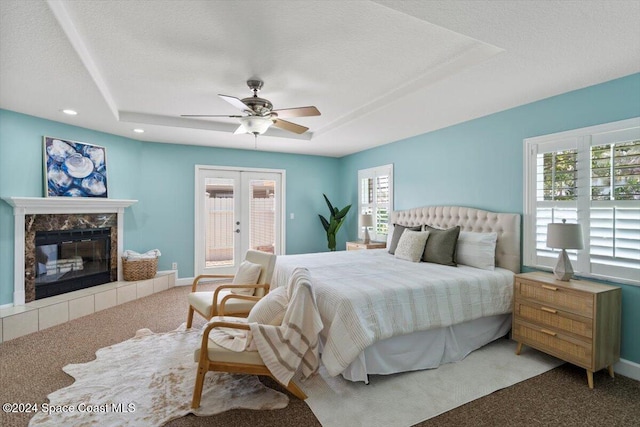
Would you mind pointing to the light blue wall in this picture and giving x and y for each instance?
(479, 163)
(161, 178)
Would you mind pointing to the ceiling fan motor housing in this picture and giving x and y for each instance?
(259, 105)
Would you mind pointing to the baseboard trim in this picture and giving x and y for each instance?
(628, 369)
(184, 281)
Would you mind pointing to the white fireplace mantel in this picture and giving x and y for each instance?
(58, 205)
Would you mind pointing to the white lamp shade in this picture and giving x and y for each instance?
(255, 124)
(564, 236)
(366, 220)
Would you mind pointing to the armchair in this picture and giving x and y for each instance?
(236, 298)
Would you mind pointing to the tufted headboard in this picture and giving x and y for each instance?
(507, 225)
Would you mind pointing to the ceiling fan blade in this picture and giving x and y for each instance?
(209, 115)
(291, 127)
(236, 102)
(297, 112)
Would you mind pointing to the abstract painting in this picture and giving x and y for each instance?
(74, 169)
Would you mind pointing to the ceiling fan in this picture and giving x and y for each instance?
(259, 114)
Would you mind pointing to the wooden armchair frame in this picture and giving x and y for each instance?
(205, 365)
(266, 260)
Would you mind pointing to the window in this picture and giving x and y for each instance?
(589, 176)
(375, 196)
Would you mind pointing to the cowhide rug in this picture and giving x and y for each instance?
(147, 381)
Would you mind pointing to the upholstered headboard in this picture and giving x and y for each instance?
(507, 225)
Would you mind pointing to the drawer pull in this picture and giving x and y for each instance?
(551, 288)
(549, 310)
(544, 331)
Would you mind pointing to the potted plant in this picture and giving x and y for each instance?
(334, 223)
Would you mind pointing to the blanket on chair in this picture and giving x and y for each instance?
(291, 346)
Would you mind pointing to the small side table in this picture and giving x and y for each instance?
(360, 245)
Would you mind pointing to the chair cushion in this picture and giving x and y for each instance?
(217, 353)
(248, 274)
(202, 301)
(270, 309)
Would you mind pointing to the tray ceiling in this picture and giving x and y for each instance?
(379, 71)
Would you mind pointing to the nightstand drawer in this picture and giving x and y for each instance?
(557, 319)
(555, 343)
(557, 297)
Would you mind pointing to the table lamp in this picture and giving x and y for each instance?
(366, 221)
(564, 236)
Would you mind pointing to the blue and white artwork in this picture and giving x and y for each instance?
(74, 169)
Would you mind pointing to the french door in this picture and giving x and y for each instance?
(236, 210)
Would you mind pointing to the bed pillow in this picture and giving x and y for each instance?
(441, 246)
(477, 249)
(270, 309)
(248, 274)
(411, 245)
(397, 232)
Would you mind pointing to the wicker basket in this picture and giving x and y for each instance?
(140, 269)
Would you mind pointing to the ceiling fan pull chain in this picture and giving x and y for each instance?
(255, 139)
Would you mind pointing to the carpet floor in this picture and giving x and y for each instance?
(31, 368)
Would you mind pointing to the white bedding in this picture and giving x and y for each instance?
(367, 296)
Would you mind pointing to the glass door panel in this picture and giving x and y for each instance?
(219, 222)
(262, 215)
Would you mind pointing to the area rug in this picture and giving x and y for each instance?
(406, 399)
(147, 381)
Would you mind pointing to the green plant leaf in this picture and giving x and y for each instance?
(343, 212)
(328, 203)
(324, 222)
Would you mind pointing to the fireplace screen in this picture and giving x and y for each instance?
(71, 260)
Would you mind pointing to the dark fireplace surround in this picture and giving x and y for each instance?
(35, 223)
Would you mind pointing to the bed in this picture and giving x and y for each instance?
(384, 315)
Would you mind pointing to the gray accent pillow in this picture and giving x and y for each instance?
(397, 232)
(441, 246)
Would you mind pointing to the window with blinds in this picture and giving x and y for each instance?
(589, 176)
(375, 196)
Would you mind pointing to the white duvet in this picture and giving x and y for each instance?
(367, 296)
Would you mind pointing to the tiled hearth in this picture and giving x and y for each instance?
(47, 312)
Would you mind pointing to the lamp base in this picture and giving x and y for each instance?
(563, 270)
(367, 240)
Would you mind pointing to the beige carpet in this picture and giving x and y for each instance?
(147, 381)
(409, 398)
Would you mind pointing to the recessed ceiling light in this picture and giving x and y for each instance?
(70, 112)
(138, 130)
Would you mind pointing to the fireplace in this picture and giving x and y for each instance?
(82, 218)
(70, 260)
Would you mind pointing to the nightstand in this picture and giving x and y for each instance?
(359, 245)
(577, 321)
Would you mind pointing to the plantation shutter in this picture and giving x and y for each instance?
(591, 177)
(375, 188)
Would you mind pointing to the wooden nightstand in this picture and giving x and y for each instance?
(577, 321)
(355, 246)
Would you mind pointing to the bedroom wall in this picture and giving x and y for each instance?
(161, 177)
(479, 163)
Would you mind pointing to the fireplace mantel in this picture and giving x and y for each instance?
(61, 205)
(23, 206)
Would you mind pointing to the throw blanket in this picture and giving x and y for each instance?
(286, 348)
(367, 296)
(132, 255)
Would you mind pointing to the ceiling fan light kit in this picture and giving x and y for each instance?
(256, 125)
(260, 115)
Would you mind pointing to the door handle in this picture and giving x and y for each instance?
(237, 222)
(237, 230)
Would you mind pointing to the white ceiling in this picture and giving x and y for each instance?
(378, 71)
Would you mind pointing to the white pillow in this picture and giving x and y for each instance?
(248, 274)
(270, 309)
(477, 249)
(389, 235)
(411, 245)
